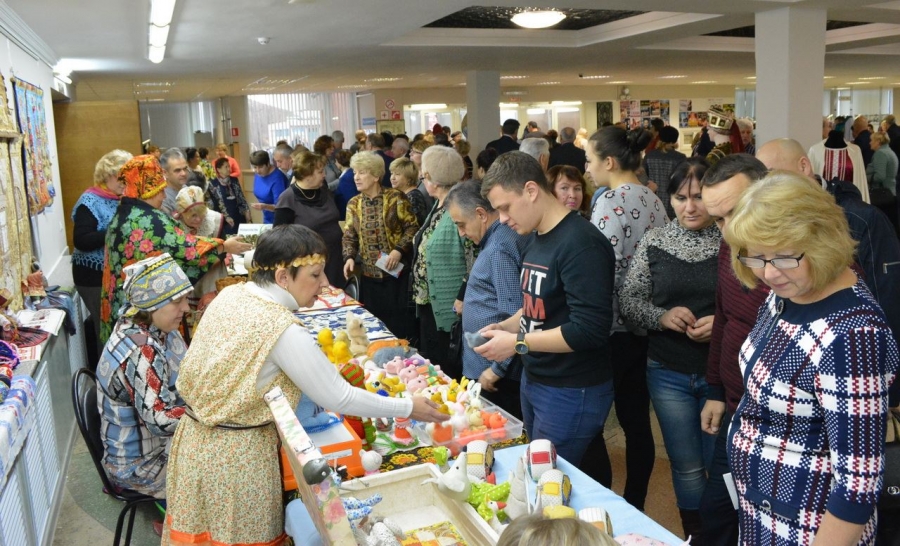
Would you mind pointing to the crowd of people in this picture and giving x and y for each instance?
(749, 293)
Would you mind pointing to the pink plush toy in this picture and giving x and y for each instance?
(416, 384)
(408, 374)
(394, 366)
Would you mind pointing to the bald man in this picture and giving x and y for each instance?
(878, 253)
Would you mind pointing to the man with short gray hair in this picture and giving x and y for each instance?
(174, 164)
(567, 153)
(338, 137)
(538, 148)
(492, 291)
(284, 162)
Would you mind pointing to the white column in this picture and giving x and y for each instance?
(483, 108)
(790, 71)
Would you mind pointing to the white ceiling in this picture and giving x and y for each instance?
(326, 45)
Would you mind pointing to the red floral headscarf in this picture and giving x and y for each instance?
(143, 177)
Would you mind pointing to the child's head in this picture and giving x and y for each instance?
(536, 531)
(190, 206)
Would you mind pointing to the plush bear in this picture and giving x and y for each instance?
(356, 330)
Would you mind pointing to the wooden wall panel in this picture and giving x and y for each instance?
(84, 132)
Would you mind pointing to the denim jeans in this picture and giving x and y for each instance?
(677, 400)
(568, 417)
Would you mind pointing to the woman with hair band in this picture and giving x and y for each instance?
(623, 213)
(224, 482)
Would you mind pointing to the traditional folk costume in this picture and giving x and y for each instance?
(138, 231)
(224, 478)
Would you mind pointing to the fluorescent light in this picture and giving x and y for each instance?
(159, 35)
(597, 77)
(538, 19)
(513, 77)
(619, 82)
(509, 105)
(379, 80)
(872, 78)
(536, 111)
(566, 109)
(547, 83)
(161, 12)
(704, 81)
(157, 54)
(673, 77)
(750, 78)
(435, 106)
(566, 103)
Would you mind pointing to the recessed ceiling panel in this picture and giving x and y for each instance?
(750, 32)
(495, 18)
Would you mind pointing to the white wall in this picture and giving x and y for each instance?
(48, 227)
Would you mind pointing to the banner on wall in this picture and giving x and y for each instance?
(691, 112)
(32, 120)
(638, 113)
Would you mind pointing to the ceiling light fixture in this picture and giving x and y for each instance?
(161, 12)
(538, 18)
(380, 80)
(701, 82)
(673, 77)
(858, 83)
(513, 77)
(619, 82)
(750, 78)
(598, 77)
(565, 103)
(157, 54)
(872, 78)
(160, 18)
(547, 83)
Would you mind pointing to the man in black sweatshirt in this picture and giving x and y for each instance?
(562, 331)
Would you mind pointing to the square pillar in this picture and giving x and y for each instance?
(483, 108)
(790, 71)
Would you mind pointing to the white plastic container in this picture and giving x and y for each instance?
(413, 505)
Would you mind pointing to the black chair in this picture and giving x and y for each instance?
(352, 288)
(84, 398)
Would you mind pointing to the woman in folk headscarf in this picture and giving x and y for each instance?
(140, 230)
(137, 373)
(198, 219)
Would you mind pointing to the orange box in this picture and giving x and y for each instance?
(339, 444)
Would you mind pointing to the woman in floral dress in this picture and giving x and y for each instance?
(140, 230)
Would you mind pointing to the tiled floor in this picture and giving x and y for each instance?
(88, 517)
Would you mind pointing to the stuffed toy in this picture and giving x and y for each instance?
(356, 330)
(313, 417)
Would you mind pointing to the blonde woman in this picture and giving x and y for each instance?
(405, 177)
(380, 221)
(806, 445)
(91, 216)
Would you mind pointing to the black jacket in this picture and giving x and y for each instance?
(503, 144)
(568, 154)
(878, 254)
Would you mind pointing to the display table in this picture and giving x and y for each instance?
(34, 478)
(588, 493)
(585, 491)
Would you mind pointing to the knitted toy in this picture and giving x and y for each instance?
(359, 340)
(313, 417)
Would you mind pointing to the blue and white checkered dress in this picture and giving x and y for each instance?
(808, 435)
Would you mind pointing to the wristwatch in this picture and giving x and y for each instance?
(521, 345)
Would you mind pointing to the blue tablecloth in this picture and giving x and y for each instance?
(336, 319)
(587, 493)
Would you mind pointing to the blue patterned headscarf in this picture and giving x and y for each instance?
(152, 283)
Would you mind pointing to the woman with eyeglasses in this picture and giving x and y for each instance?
(806, 445)
(670, 290)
